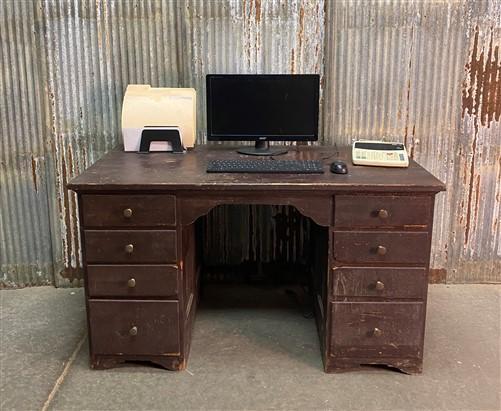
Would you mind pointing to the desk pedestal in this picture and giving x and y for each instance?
(369, 273)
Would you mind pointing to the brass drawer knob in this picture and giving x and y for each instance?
(377, 332)
(379, 285)
(129, 248)
(131, 283)
(133, 331)
(383, 214)
(128, 213)
(381, 250)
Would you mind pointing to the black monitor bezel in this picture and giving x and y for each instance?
(235, 137)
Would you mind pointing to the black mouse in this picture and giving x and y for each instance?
(339, 167)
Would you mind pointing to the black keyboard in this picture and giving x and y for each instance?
(266, 166)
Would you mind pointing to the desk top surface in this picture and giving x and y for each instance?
(119, 170)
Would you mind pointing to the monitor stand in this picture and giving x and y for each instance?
(262, 148)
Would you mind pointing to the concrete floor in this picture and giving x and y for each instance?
(247, 355)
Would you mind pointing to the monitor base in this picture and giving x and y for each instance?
(262, 148)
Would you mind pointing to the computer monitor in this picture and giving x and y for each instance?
(262, 108)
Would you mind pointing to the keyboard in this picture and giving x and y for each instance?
(266, 166)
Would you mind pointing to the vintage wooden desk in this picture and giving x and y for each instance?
(137, 215)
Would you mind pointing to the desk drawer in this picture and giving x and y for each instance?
(381, 247)
(148, 246)
(372, 330)
(382, 211)
(379, 282)
(132, 281)
(134, 327)
(128, 210)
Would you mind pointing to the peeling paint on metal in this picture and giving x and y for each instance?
(427, 73)
(475, 223)
(481, 92)
(412, 72)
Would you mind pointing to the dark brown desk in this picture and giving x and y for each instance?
(372, 242)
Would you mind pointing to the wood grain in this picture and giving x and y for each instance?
(362, 211)
(361, 282)
(149, 281)
(156, 321)
(121, 171)
(354, 325)
(149, 246)
(359, 247)
(101, 210)
(173, 191)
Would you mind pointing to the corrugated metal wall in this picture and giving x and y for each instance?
(427, 73)
(25, 227)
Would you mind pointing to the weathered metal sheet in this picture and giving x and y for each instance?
(265, 234)
(93, 50)
(25, 241)
(425, 72)
(418, 72)
(148, 48)
(249, 36)
(476, 240)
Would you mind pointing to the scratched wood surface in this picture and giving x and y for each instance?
(379, 232)
(119, 170)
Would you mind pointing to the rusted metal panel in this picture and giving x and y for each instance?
(249, 36)
(393, 70)
(264, 234)
(424, 72)
(476, 244)
(415, 72)
(25, 245)
(95, 49)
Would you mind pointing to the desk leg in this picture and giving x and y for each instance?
(320, 246)
(104, 362)
(190, 283)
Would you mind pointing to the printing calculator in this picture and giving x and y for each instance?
(379, 153)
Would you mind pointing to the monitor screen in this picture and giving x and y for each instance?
(262, 107)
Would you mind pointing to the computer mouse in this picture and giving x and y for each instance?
(339, 167)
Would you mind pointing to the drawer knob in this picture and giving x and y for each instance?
(377, 332)
(381, 250)
(129, 248)
(128, 213)
(383, 214)
(131, 283)
(133, 331)
(379, 285)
